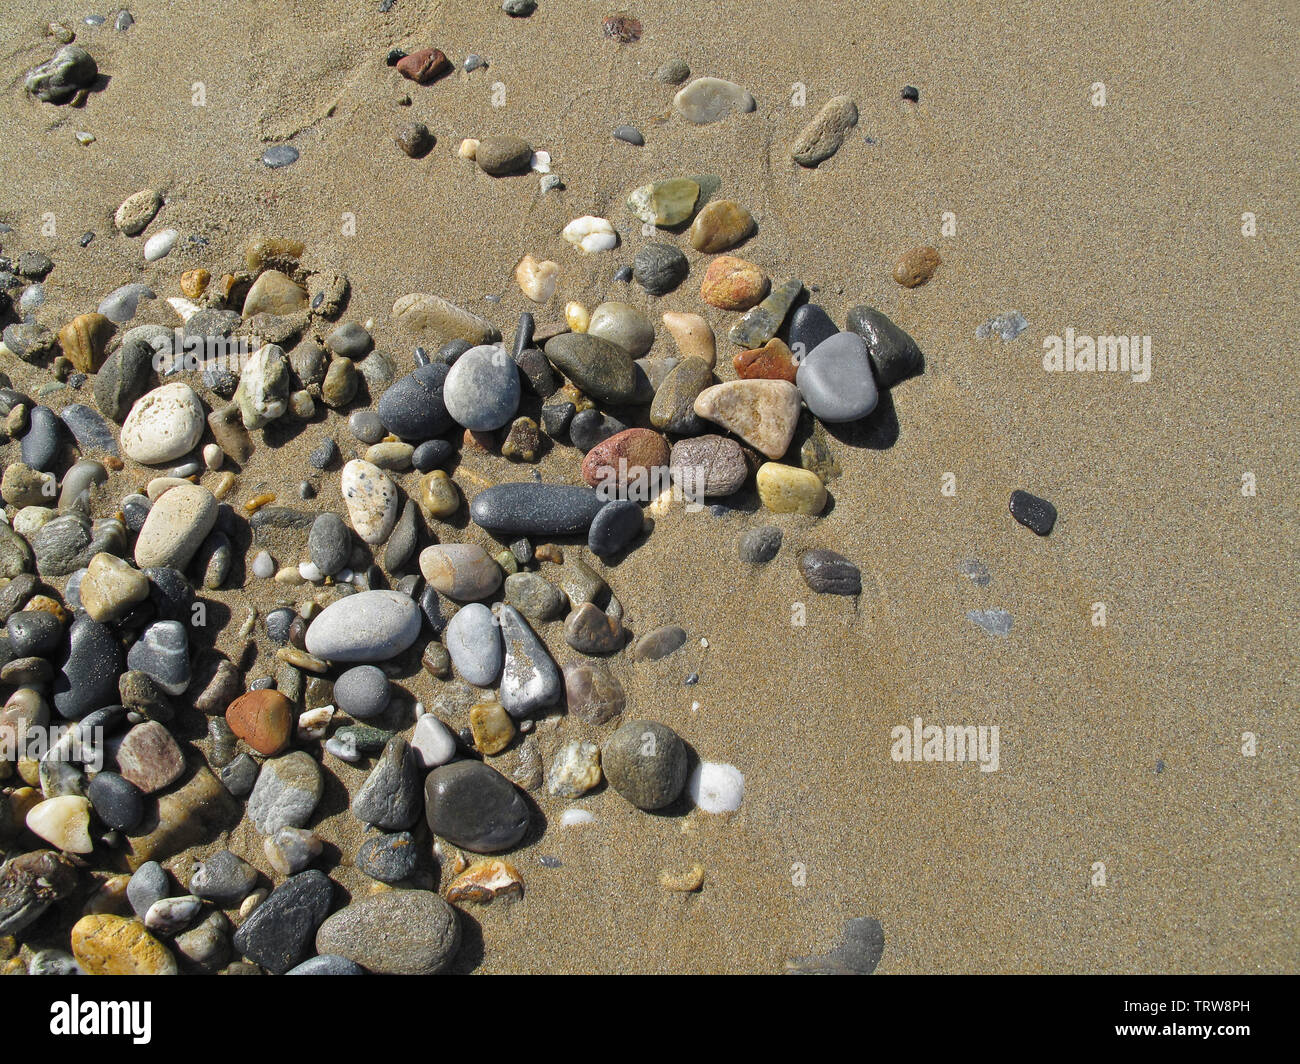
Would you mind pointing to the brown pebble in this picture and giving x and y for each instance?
(263, 719)
(772, 361)
(423, 66)
(195, 282)
(622, 28)
(550, 552)
(917, 266)
(415, 139)
(733, 284)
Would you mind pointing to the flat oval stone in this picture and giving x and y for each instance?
(43, 439)
(482, 389)
(618, 524)
(223, 878)
(413, 406)
(590, 630)
(824, 135)
(646, 763)
(121, 304)
(829, 573)
(329, 543)
(366, 627)
(593, 693)
(530, 679)
(627, 460)
(462, 571)
(600, 368)
(177, 524)
(659, 643)
(673, 408)
(789, 490)
(397, 932)
(835, 379)
(624, 326)
(371, 498)
(429, 315)
(500, 156)
(162, 652)
(708, 466)
(475, 807)
(720, 226)
(707, 100)
(91, 431)
(473, 640)
(279, 931)
(530, 508)
(895, 356)
(763, 413)
(88, 678)
(757, 546)
(263, 719)
(286, 793)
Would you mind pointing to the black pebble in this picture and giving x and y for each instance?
(624, 274)
(449, 352)
(910, 92)
(523, 334)
(86, 238)
(591, 427)
(1034, 513)
(277, 625)
(430, 454)
(829, 573)
(394, 56)
(556, 417)
(118, 802)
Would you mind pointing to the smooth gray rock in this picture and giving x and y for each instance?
(530, 679)
(836, 381)
(482, 389)
(474, 642)
(366, 627)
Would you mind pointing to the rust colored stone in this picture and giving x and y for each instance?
(632, 453)
(263, 719)
(773, 361)
(423, 66)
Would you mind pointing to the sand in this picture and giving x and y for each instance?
(1121, 219)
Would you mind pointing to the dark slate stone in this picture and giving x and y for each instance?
(450, 351)
(280, 930)
(1034, 513)
(759, 545)
(556, 417)
(431, 607)
(118, 802)
(430, 454)
(829, 573)
(590, 427)
(475, 807)
(412, 408)
(240, 775)
(40, 447)
(809, 326)
(894, 355)
(388, 858)
(329, 544)
(88, 678)
(90, 430)
(34, 633)
(523, 335)
(171, 594)
(616, 525)
(659, 268)
(530, 508)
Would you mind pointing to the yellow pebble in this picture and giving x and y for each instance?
(577, 316)
(788, 490)
(115, 945)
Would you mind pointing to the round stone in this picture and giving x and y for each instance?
(624, 325)
(116, 801)
(366, 425)
(500, 156)
(716, 788)
(462, 571)
(286, 793)
(263, 719)
(720, 226)
(163, 425)
(659, 268)
(362, 692)
(627, 463)
(708, 466)
(733, 284)
(413, 406)
(476, 808)
(789, 490)
(836, 381)
(388, 858)
(473, 639)
(593, 693)
(368, 626)
(396, 932)
(646, 763)
(223, 878)
(482, 389)
(617, 524)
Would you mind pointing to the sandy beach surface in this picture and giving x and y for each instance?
(1120, 745)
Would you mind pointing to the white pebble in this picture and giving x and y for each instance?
(541, 162)
(184, 307)
(573, 817)
(213, 457)
(263, 566)
(715, 787)
(310, 571)
(314, 723)
(695, 707)
(344, 576)
(704, 643)
(159, 245)
(590, 234)
(468, 148)
(432, 742)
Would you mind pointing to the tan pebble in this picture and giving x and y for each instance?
(29, 771)
(550, 552)
(917, 266)
(156, 487)
(684, 882)
(116, 945)
(693, 336)
(14, 966)
(22, 800)
(109, 898)
(250, 903)
(84, 341)
(577, 317)
(491, 726)
(438, 494)
(763, 413)
(486, 881)
(195, 282)
(721, 225)
(49, 605)
(258, 501)
(289, 574)
(537, 280)
(300, 659)
(264, 249)
(468, 148)
(213, 456)
(224, 485)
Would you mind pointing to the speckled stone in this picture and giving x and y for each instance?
(398, 932)
(646, 763)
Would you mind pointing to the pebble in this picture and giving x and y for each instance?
(340, 384)
(34, 264)
(30, 342)
(519, 8)
(673, 406)
(708, 466)
(646, 763)
(764, 413)
(758, 546)
(423, 66)
(537, 280)
(576, 817)
(263, 392)
(329, 544)
(149, 757)
(976, 571)
(502, 156)
(396, 932)
(280, 155)
(522, 442)
(603, 370)
(362, 692)
(628, 460)
(208, 944)
(159, 245)
(63, 822)
(664, 203)
(715, 787)
(630, 135)
(894, 354)
(372, 500)
(88, 678)
(624, 326)
(773, 361)
(424, 314)
(263, 719)
(475, 807)
(786, 489)
(590, 630)
(917, 266)
(862, 944)
(121, 304)
(622, 28)
(809, 326)
(574, 771)
(286, 793)
(491, 728)
(432, 743)
(995, 621)
(593, 694)
(720, 226)
(486, 881)
(429, 454)
(116, 801)
(482, 389)
(590, 428)
(1006, 326)
(462, 571)
(659, 643)
(530, 508)
(590, 234)
(1037, 515)
(34, 633)
(162, 653)
(223, 878)
(473, 639)
(659, 268)
(733, 284)
(617, 524)
(693, 336)
(137, 211)
(104, 944)
(530, 680)
(415, 139)
(389, 798)
(178, 522)
(148, 884)
(673, 72)
(43, 440)
(829, 573)
(534, 596)
(388, 858)
(413, 406)
(349, 340)
(169, 916)
(760, 323)
(327, 964)
(368, 626)
(707, 100)
(825, 134)
(281, 929)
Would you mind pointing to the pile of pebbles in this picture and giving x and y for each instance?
(104, 591)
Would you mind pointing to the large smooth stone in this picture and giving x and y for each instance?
(279, 930)
(600, 368)
(413, 407)
(462, 571)
(398, 932)
(475, 807)
(707, 100)
(177, 524)
(624, 326)
(368, 626)
(673, 408)
(530, 508)
(473, 640)
(762, 413)
(482, 389)
(163, 425)
(835, 379)
(530, 679)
